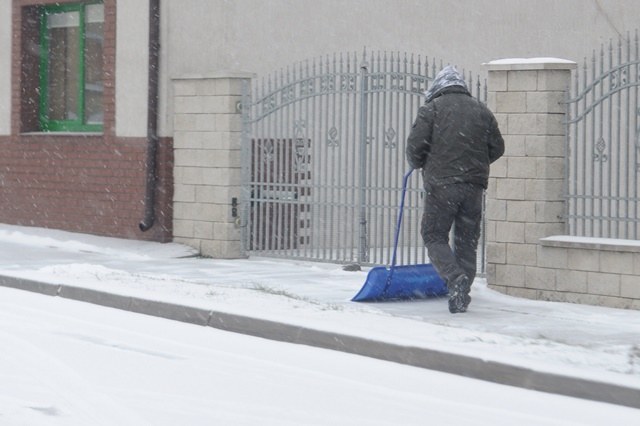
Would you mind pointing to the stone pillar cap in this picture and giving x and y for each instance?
(526, 64)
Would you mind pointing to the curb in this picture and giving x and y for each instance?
(431, 359)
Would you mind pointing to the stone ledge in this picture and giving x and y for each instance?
(589, 243)
(530, 64)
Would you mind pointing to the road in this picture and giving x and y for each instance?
(70, 363)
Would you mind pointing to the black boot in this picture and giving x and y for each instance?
(459, 298)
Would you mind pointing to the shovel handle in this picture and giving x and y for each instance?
(405, 180)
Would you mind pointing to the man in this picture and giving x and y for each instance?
(453, 140)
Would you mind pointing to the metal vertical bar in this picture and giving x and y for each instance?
(354, 159)
(575, 158)
(573, 206)
(378, 124)
(372, 181)
(425, 253)
(609, 190)
(331, 108)
(363, 255)
(271, 170)
(343, 166)
(401, 98)
(600, 212)
(324, 101)
(319, 161)
(309, 169)
(318, 143)
(301, 156)
(592, 171)
(343, 91)
(341, 208)
(262, 176)
(636, 136)
(251, 143)
(396, 96)
(337, 198)
(261, 233)
(584, 147)
(294, 208)
(371, 135)
(274, 193)
(373, 167)
(245, 155)
(256, 149)
(309, 174)
(279, 170)
(270, 175)
(616, 223)
(289, 186)
(352, 195)
(289, 176)
(381, 180)
(627, 155)
(484, 208)
(406, 120)
(320, 116)
(302, 152)
(394, 112)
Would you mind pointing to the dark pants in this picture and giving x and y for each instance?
(447, 205)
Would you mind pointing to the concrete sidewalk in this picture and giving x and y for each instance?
(574, 350)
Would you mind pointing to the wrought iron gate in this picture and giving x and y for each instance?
(603, 145)
(323, 158)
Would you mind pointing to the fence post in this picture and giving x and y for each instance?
(363, 249)
(525, 200)
(207, 168)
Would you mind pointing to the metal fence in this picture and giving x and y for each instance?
(603, 144)
(323, 147)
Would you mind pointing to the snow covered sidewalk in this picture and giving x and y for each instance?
(571, 349)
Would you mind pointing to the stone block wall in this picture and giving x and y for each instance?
(527, 256)
(207, 163)
(594, 271)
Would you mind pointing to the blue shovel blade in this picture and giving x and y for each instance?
(407, 282)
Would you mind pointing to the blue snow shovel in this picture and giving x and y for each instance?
(401, 282)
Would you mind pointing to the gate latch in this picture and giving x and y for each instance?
(234, 207)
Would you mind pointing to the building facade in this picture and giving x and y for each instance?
(87, 100)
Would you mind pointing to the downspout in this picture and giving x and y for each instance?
(152, 115)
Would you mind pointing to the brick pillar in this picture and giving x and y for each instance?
(525, 198)
(207, 170)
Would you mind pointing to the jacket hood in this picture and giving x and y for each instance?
(447, 77)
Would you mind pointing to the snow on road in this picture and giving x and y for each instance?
(68, 363)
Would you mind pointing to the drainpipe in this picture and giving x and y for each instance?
(152, 115)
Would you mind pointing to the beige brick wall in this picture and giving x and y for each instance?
(207, 169)
(527, 256)
(592, 270)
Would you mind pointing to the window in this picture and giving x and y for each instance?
(71, 68)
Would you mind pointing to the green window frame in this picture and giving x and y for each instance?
(71, 68)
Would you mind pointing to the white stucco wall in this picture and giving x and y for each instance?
(5, 67)
(262, 36)
(132, 62)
